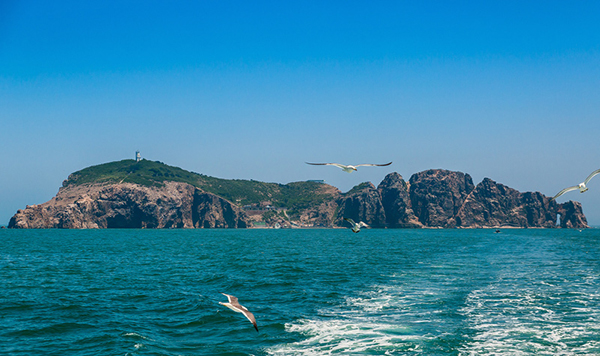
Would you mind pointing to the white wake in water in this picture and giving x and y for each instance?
(432, 316)
(380, 322)
(532, 321)
(339, 336)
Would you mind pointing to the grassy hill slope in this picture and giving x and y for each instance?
(294, 196)
(146, 173)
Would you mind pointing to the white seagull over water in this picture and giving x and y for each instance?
(356, 226)
(235, 306)
(349, 168)
(581, 186)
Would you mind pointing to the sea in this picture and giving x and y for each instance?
(312, 291)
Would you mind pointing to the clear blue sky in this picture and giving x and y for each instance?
(237, 89)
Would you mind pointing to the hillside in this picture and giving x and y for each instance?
(294, 196)
(146, 194)
(146, 173)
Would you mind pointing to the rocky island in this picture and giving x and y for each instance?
(148, 194)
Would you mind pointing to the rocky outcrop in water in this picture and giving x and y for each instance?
(447, 199)
(176, 205)
(571, 215)
(434, 198)
(494, 204)
(395, 198)
(436, 195)
(362, 203)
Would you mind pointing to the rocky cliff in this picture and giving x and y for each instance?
(395, 198)
(571, 215)
(447, 199)
(126, 205)
(160, 196)
(436, 196)
(362, 203)
(494, 204)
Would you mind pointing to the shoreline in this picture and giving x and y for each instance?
(592, 227)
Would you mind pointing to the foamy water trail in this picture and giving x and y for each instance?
(514, 315)
(387, 320)
(536, 320)
(338, 336)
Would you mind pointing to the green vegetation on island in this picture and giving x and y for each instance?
(294, 196)
(144, 172)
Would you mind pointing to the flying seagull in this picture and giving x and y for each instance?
(356, 226)
(235, 306)
(581, 186)
(348, 168)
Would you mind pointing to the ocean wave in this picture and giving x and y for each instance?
(531, 322)
(138, 336)
(370, 323)
(326, 337)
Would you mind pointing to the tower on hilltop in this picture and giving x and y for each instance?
(138, 156)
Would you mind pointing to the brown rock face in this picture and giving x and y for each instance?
(539, 210)
(134, 206)
(441, 198)
(210, 211)
(434, 198)
(571, 215)
(362, 203)
(437, 195)
(492, 204)
(176, 205)
(395, 199)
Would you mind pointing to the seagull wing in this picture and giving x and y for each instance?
(373, 164)
(363, 224)
(350, 221)
(597, 171)
(327, 164)
(231, 298)
(575, 187)
(251, 317)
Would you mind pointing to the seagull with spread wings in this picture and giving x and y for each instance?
(349, 168)
(581, 186)
(234, 305)
(356, 226)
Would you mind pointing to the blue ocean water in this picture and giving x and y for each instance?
(313, 292)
